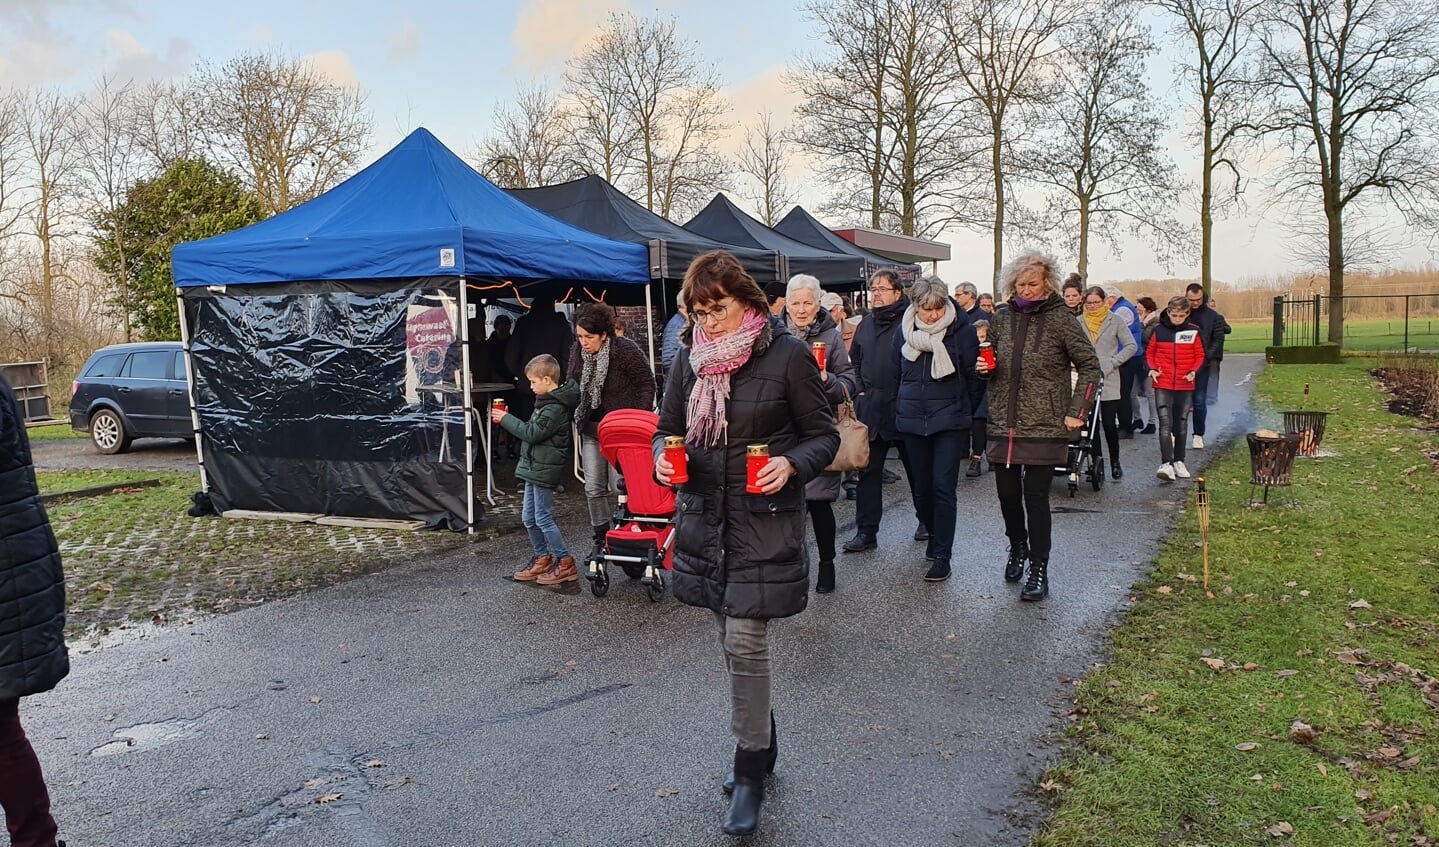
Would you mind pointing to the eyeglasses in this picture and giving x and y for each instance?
(1094, 302)
(880, 289)
(717, 313)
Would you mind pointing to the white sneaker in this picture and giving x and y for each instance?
(1165, 472)
(1181, 471)
(1197, 443)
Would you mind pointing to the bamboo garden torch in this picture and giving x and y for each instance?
(1202, 507)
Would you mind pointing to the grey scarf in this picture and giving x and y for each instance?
(592, 381)
(920, 338)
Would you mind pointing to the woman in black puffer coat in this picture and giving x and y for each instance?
(742, 379)
(32, 627)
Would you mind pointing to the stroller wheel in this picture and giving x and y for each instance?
(599, 578)
(655, 588)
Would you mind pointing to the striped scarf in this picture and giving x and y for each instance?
(713, 361)
(593, 375)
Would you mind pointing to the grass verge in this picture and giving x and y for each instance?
(54, 432)
(136, 554)
(1360, 335)
(1298, 705)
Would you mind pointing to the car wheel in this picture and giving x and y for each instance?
(107, 432)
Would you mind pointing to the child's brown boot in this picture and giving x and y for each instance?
(539, 566)
(564, 572)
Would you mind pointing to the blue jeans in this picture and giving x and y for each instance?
(934, 461)
(538, 516)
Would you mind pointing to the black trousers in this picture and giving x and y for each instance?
(1130, 375)
(869, 493)
(1111, 414)
(821, 516)
(1201, 399)
(1024, 502)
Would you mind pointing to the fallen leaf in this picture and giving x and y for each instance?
(1259, 777)
(396, 783)
(316, 699)
(1362, 794)
(1290, 584)
(1250, 666)
(1049, 785)
(1301, 731)
(1379, 817)
(1323, 771)
(1246, 746)
(666, 792)
(328, 798)
(1409, 763)
(1164, 589)
(374, 763)
(1286, 672)
(1390, 752)
(614, 786)
(1215, 664)
(315, 783)
(1361, 603)
(1283, 829)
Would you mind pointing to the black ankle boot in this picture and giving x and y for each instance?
(771, 755)
(1115, 471)
(1014, 568)
(824, 583)
(599, 531)
(748, 796)
(1037, 586)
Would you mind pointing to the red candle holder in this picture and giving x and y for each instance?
(677, 457)
(756, 457)
(818, 348)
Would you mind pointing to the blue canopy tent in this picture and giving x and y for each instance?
(328, 346)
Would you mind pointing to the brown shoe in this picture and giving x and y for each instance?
(539, 566)
(564, 572)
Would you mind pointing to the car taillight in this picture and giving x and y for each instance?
(74, 388)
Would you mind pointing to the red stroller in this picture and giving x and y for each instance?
(642, 531)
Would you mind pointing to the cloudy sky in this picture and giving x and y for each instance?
(445, 65)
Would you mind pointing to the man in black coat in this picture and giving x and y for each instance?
(876, 367)
(32, 627)
(538, 331)
(1212, 327)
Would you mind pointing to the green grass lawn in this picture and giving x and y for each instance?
(1298, 705)
(53, 432)
(1368, 334)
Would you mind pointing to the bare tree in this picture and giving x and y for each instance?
(531, 144)
(1350, 93)
(1217, 34)
(13, 203)
(1101, 153)
(51, 144)
(649, 110)
(1002, 50)
(883, 113)
(291, 132)
(165, 122)
(764, 158)
(110, 163)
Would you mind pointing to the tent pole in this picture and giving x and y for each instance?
(468, 404)
(190, 390)
(650, 321)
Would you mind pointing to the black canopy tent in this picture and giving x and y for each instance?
(593, 204)
(724, 221)
(800, 225)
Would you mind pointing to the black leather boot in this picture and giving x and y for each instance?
(600, 530)
(1115, 471)
(1014, 567)
(748, 796)
(1037, 586)
(824, 583)
(770, 756)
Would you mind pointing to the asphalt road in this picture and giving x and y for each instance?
(147, 454)
(443, 704)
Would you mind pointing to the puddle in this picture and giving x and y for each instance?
(147, 735)
(95, 640)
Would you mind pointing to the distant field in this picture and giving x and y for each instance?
(1359, 334)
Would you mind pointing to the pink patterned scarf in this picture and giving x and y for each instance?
(713, 360)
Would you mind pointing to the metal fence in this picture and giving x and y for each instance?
(1388, 323)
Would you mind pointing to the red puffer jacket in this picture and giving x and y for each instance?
(1174, 351)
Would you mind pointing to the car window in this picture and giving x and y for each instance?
(179, 372)
(151, 364)
(106, 365)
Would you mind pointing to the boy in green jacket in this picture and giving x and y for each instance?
(543, 460)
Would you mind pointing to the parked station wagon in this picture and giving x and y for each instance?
(129, 391)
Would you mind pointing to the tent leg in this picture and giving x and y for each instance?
(190, 391)
(650, 322)
(468, 404)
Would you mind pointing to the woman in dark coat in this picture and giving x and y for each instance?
(1034, 409)
(742, 379)
(810, 323)
(32, 627)
(612, 374)
(936, 346)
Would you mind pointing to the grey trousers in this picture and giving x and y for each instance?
(746, 651)
(600, 480)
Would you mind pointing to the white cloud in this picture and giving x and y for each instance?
(404, 44)
(336, 65)
(127, 58)
(548, 32)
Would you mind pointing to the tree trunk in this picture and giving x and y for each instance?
(1206, 202)
(997, 163)
(1335, 220)
(1084, 238)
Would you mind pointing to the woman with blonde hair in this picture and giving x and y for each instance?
(1033, 408)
